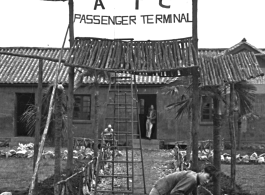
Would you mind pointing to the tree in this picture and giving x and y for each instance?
(96, 75)
(245, 96)
(244, 92)
(30, 115)
(184, 107)
(57, 119)
(217, 118)
(57, 137)
(70, 105)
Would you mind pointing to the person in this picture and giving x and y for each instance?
(150, 121)
(183, 182)
(108, 135)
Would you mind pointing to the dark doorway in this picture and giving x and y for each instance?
(24, 100)
(145, 101)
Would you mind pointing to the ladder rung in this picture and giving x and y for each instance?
(118, 175)
(119, 90)
(121, 103)
(130, 147)
(116, 117)
(123, 94)
(125, 133)
(115, 191)
(123, 107)
(125, 121)
(121, 161)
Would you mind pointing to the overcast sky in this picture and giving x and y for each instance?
(221, 23)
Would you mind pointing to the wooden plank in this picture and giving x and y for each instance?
(109, 55)
(186, 50)
(130, 57)
(179, 54)
(174, 52)
(93, 53)
(99, 54)
(190, 53)
(105, 54)
(183, 54)
(87, 52)
(146, 49)
(171, 58)
(154, 55)
(157, 57)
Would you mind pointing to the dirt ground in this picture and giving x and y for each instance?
(250, 178)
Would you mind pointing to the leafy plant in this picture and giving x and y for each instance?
(29, 116)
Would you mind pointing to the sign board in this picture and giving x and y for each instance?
(137, 19)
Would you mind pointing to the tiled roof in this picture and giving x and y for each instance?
(242, 43)
(224, 69)
(14, 69)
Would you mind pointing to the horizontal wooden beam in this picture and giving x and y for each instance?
(31, 56)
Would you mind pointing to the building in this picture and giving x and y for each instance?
(18, 86)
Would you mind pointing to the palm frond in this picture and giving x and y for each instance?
(29, 116)
(245, 93)
(184, 108)
(170, 90)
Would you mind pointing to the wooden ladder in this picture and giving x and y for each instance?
(120, 166)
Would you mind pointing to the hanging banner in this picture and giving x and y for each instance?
(137, 19)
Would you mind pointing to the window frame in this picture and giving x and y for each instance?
(82, 112)
(204, 101)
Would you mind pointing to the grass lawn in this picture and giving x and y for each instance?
(16, 173)
(249, 177)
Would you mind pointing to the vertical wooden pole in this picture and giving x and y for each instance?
(96, 115)
(57, 139)
(237, 122)
(196, 96)
(38, 121)
(195, 119)
(195, 24)
(232, 135)
(217, 144)
(70, 105)
(195, 83)
(43, 138)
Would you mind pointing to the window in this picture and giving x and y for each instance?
(82, 107)
(207, 109)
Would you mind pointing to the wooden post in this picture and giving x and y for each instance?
(57, 138)
(33, 182)
(195, 119)
(217, 144)
(195, 83)
(96, 115)
(38, 121)
(195, 24)
(237, 123)
(196, 96)
(232, 135)
(32, 186)
(70, 105)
